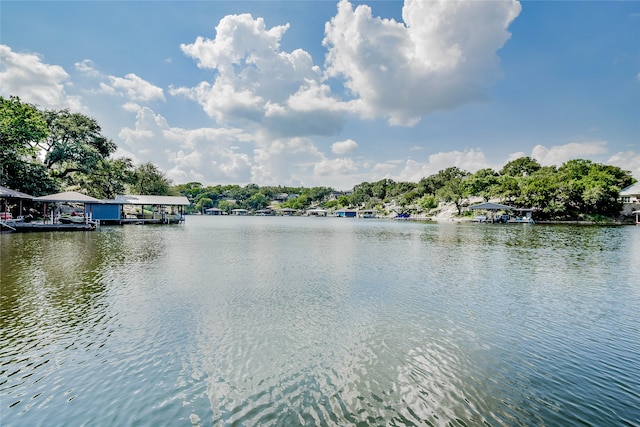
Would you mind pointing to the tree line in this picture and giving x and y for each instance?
(45, 151)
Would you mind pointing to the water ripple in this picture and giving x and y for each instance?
(276, 321)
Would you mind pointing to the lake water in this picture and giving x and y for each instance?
(321, 321)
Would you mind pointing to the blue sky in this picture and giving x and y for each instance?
(335, 93)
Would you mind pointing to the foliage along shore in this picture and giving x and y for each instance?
(43, 152)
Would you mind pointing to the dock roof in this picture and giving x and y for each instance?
(129, 199)
(67, 196)
(492, 207)
(7, 193)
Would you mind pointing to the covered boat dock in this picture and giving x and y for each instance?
(140, 209)
(54, 220)
(6, 195)
(492, 216)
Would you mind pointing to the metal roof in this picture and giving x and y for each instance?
(67, 196)
(13, 194)
(492, 207)
(632, 190)
(128, 199)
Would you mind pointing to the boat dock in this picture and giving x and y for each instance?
(28, 227)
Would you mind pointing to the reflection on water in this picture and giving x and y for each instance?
(321, 321)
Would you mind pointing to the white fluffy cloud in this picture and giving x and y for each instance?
(131, 86)
(344, 147)
(470, 160)
(204, 154)
(559, 154)
(628, 160)
(255, 82)
(27, 76)
(134, 88)
(227, 155)
(442, 56)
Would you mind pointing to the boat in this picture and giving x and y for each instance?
(72, 219)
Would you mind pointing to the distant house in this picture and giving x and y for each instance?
(239, 212)
(280, 197)
(335, 195)
(631, 194)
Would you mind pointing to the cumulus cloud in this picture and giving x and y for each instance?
(203, 154)
(441, 57)
(344, 147)
(256, 82)
(470, 160)
(34, 81)
(335, 167)
(87, 67)
(229, 155)
(628, 160)
(557, 155)
(131, 86)
(134, 88)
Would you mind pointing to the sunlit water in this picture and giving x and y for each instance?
(321, 321)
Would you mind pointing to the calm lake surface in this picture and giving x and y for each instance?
(321, 321)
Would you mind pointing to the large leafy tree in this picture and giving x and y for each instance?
(149, 179)
(454, 190)
(541, 190)
(592, 188)
(74, 143)
(483, 183)
(522, 166)
(43, 151)
(108, 178)
(20, 125)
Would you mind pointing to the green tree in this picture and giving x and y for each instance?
(315, 194)
(74, 143)
(507, 188)
(301, 202)
(344, 201)
(522, 166)
(31, 178)
(108, 178)
(454, 190)
(204, 203)
(541, 191)
(361, 194)
(21, 126)
(257, 201)
(483, 183)
(190, 190)
(379, 189)
(592, 188)
(427, 202)
(431, 184)
(150, 180)
(226, 205)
